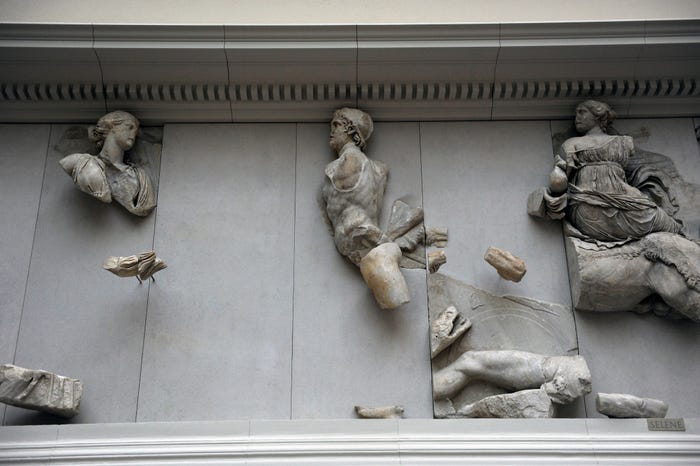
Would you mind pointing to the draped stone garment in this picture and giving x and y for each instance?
(129, 185)
(602, 205)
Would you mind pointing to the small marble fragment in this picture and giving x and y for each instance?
(620, 405)
(436, 237)
(448, 327)
(522, 404)
(435, 260)
(383, 412)
(380, 269)
(508, 266)
(403, 219)
(535, 203)
(142, 266)
(40, 390)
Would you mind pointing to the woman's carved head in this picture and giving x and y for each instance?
(123, 124)
(593, 112)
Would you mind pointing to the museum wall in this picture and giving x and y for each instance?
(257, 315)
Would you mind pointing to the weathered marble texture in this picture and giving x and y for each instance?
(625, 209)
(436, 259)
(506, 264)
(108, 176)
(533, 403)
(381, 412)
(353, 194)
(142, 266)
(621, 405)
(652, 345)
(380, 269)
(40, 390)
(563, 378)
(499, 323)
(447, 327)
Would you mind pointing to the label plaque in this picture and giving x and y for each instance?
(673, 424)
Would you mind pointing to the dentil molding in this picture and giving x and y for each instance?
(225, 73)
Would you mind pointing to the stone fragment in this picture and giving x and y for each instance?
(444, 330)
(383, 412)
(435, 260)
(523, 404)
(403, 219)
(40, 390)
(142, 266)
(536, 205)
(508, 266)
(620, 405)
(380, 269)
(436, 237)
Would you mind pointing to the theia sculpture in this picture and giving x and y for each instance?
(106, 176)
(353, 193)
(626, 251)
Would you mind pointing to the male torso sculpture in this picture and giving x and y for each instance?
(353, 193)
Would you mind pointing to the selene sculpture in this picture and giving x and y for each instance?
(107, 176)
(626, 250)
(353, 193)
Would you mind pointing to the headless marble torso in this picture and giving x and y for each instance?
(353, 193)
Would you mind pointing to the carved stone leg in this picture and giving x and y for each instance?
(380, 269)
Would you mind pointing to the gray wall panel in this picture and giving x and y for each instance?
(347, 351)
(218, 339)
(476, 179)
(21, 172)
(79, 320)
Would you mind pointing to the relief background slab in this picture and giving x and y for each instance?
(258, 316)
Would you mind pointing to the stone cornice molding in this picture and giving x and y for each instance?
(564, 441)
(225, 73)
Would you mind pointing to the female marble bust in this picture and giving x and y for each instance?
(107, 176)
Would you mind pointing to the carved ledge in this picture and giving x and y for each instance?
(429, 442)
(397, 72)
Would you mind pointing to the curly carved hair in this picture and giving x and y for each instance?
(602, 112)
(356, 124)
(99, 132)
